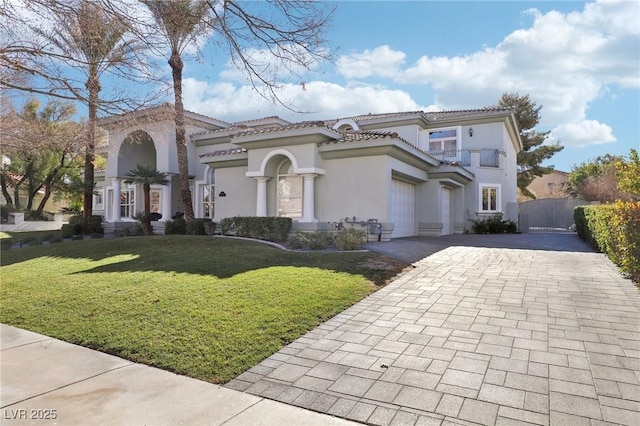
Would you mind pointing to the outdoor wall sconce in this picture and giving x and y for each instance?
(222, 194)
(470, 132)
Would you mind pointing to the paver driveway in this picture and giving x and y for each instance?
(473, 335)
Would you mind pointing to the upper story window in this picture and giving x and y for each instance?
(442, 143)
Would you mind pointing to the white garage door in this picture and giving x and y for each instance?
(403, 198)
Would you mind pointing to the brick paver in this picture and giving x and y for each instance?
(473, 335)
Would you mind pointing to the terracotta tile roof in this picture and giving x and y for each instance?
(221, 152)
(165, 108)
(292, 126)
(429, 115)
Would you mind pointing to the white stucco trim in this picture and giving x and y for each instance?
(346, 122)
(498, 186)
(294, 162)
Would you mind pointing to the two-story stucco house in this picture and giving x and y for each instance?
(413, 173)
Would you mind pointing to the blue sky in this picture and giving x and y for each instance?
(579, 60)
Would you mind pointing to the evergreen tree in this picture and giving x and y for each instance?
(534, 150)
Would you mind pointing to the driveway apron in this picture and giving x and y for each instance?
(473, 335)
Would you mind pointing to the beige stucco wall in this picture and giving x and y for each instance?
(240, 193)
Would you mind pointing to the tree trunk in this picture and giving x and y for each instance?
(181, 141)
(5, 190)
(93, 85)
(146, 220)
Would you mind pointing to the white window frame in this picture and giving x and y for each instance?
(498, 188)
(278, 197)
(211, 203)
(98, 199)
(131, 205)
(425, 142)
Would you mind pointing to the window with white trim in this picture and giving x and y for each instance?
(208, 204)
(442, 143)
(98, 203)
(127, 203)
(490, 198)
(289, 192)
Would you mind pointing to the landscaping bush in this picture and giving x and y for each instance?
(197, 226)
(349, 239)
(47, 237)
(176, 226)
(318, 240)
(262, 228)
(297, 241)
(34, 216)
(55, 240)
(613, 229)
(5, 243)
(35, 243)
(4, 212)
(68, 230)
(493, 224)
(94, 224)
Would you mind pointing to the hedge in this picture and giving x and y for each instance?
(613, 229)
(262, 228)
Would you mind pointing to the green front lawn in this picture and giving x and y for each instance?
(208, 308)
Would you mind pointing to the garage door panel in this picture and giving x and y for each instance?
(403, 209)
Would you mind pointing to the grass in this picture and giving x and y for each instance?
(208, 308)
(28, 235)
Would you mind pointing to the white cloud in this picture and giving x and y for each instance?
(316, 99)
(563, 61)
(582, 133)
(382, 61)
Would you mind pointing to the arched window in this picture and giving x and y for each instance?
(289, 191)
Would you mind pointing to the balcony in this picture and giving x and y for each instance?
(488, 157)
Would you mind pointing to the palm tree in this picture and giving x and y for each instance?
(147, 176)
(96, 41)
(182, 22)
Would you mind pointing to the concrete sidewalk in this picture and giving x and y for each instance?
(48, 381)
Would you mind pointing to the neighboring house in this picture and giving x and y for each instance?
(412, 173)
(551, 185)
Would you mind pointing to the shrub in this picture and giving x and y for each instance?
(68, 230)
(209, 227)
(613, 229)
(56, 240)
(262, 228)
(94, 224)
(77, 237)
(227, 226)
(35, 243)
(176, 226)
(34, 216)
(349, 239)
(297, 241)
(47, 237)
(493, 224)
(318, 240)
(28, 240)
(197, 226)
(6, 243)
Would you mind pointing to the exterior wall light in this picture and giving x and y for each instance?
(222, 194)
(470, 132)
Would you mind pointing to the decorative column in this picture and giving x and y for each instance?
(261, 199)
(308, 199)
(115, 203)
